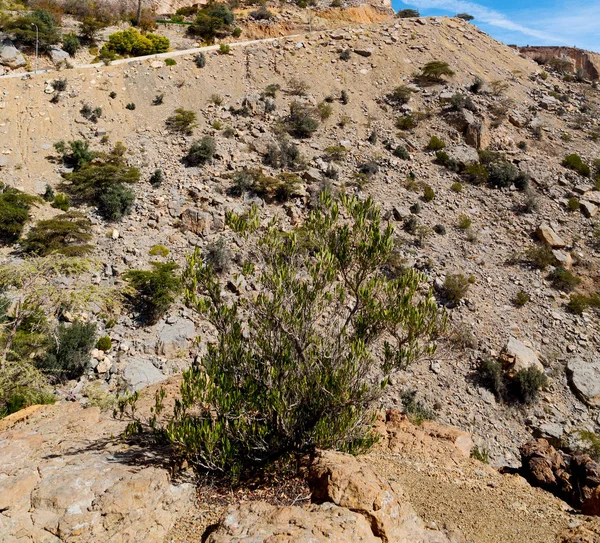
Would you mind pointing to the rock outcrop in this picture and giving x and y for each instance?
(353, 504)
(64, 478)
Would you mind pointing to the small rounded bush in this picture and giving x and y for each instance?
(521, 298)
(428, 194)
(575, 163)
(457, 187)
(200, 60)
(158, 250)
(201, 151)
(170, 62)
(62, 202)
(464, 221)
(435, 144)
(104, 344)
(573, 204)
(401, 152)
(130, 106)
(440, 229)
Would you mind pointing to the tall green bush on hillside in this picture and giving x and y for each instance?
(67, 234)
(14, 212)
(212, 21)
(302, 364)
(22, 29)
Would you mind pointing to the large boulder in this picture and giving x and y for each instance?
(57, 55)
(65, 479)
(516, 356)
(463, 154)
(545, 467)
(474, 129)
(348, 482)
(140, 373)
(548, 236)
(10, 56)
(174, 339)
(585, 379)
(198, 222)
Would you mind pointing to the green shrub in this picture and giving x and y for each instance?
(224, 49)
(443, 159)
(182, 121)
(236, 32)
(563, 279)
(456, 187)
(157, 178)
(48, 195)
(90, 113)
(67, 234)
(400, 95)
(428, 194)
(336, 153)
(578, 303)
(59, 85)
(483, 455)
(416, 411)
(170, 62)
(212, 21)
(455, 287)
(406, 122)
(408, 13)
(476, 174)
(302, 121)
(104, 344)
(435, 144)
(464, 16)
(574, 162)
(521, 298)
(435, 70)
(573, 204)
(158, 250)
(131, 42)
(23, 30)
(324, 110)
(201, 151)
(218, 256)
(77, 155)
(492, 376)
(477, 85)
(154, 290)
(464, 221)
(200, 60)
(70, 355)
(115, 202)
(285, 154)
(130, 106)
(540, 256)
(280, 188)
(502, 173)
(14, 213)
(288, 374)
(401, 152)
(527, 384)
(70, 43)
(62, 202)
(344, 97)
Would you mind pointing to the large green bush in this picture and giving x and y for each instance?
(67, 234)
(302, 121)
(76, 155)
(212, 21)
(575, 163)
(14, 212)
(22, 28)
(201, 151)
(154, 290)
(132, 42)
(302, 364)
(103, 183)
(70, 354)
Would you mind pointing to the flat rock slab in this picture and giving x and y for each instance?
(585, 379)
(140, 373)
(174, 339)
(65, 479)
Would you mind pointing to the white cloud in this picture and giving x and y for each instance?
(492, 17)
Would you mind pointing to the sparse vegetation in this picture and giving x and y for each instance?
(435, 144)
(563, 279)
(575, 163)
(14, 212)
(436, 70)
(182, 121)
(201, 151)
(67, 234)
(302, 121)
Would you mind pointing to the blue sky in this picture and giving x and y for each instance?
(536, 22)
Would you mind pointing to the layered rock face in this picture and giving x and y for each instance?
(586, 60)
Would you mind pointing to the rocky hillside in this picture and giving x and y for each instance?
(495, 233)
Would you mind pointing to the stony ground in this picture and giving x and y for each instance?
(383, 56)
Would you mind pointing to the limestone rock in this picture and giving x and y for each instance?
(140, 373)
(10, 56)
(564, 259)
(64, 479)
(517, 356)
(588, 209)
(585, 379)
(463, 154)
(198, 222)
(549, 236)
(175, 338)
(364, 51)
(259, 522)
(57, 55)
